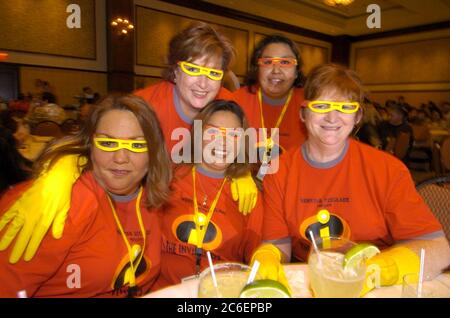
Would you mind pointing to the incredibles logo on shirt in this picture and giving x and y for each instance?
(324, 224)
(123, 272)
(275, 152)
(183, 228)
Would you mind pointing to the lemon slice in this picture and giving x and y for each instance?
(359, 252)
(265, 288)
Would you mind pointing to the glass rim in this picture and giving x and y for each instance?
(220, 266)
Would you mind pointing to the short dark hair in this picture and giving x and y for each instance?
(252, 74)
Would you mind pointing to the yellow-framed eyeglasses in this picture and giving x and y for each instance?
(325, 106)
(213, 131)
(281, 61)
(196, 70)
(111, 144)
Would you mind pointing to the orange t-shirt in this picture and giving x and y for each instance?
(292, 131)
(164, 100)
(91, 258)
(369, 194)
(231, 236)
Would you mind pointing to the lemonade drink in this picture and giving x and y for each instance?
(231, 279)
(328, 275)
(329, 278)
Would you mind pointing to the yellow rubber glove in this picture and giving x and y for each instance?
(244, 189)
(269, 258)
(47, 201)
(389, 267)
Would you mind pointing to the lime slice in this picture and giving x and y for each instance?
(359, 252)
(265, 288)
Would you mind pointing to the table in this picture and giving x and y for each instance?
(297, 275)
(437, 135)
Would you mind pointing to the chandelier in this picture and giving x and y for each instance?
(122, 25)
(338, 3)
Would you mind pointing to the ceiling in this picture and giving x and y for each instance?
(350, 20)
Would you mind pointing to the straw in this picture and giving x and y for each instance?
(422, 265)
(315, 247)
(213, 274)
(253, 272)
(211, 267)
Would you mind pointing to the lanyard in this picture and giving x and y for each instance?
(268, 141)
(132, 282)
(202, 222)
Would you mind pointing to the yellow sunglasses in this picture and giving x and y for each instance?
(212, 130)
(322, 106)
(111, 144)
(195, 70)
(281, 61)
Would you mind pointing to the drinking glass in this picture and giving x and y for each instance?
(231, 279)
(328, 277)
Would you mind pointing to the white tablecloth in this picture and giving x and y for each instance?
(297, 275)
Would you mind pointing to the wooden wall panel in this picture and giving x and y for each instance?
(155, 29)
(40, 27)
(414, 62)
(144, 81)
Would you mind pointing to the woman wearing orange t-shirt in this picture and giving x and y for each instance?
(112, 242)
(201, 214)
(332, 185)
(273, 95)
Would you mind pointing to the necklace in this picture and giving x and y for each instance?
(201, 221)
(135, 250)
(205, 194)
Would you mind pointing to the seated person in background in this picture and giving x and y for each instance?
(437, 122)
(88, 94)
(368, 132)
(369, 195)
(14, 168)
(85, 109)
(45, 91)
(112, 239)
(396, 130)
(383, 113)
(445, 109)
